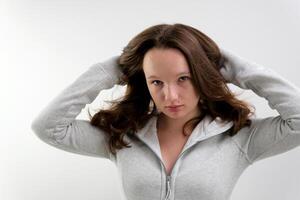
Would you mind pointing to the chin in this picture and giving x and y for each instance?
(174, 115)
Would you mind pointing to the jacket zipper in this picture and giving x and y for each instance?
(168, 188)
(168, 177)
(168, 192)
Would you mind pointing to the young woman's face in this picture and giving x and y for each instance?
(170, 83)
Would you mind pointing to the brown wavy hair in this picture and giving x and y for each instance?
(131, 112)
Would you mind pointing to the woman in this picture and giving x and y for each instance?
(178, 132)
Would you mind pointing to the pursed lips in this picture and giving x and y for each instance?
(174, 106)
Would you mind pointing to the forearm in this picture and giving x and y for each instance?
(65, 107)
(273, 135)
(281, 94)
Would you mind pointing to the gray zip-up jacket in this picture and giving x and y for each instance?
(210, 163)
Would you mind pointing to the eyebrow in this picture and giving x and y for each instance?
(182, 73)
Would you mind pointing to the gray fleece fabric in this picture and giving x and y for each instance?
(210, 163)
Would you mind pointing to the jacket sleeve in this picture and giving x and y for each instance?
(56, 123)
(268, 136)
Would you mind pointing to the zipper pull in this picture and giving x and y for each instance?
(168, 187)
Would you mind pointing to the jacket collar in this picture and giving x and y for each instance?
(205, 129)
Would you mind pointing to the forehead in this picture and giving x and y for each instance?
(164, 61)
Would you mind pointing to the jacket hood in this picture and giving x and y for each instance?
(205, 129)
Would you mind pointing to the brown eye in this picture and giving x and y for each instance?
(183, 78)
(156, 82)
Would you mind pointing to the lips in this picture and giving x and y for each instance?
(174, 106)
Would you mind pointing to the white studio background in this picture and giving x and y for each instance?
(46, 45)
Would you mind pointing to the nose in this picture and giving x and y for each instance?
(171, 93)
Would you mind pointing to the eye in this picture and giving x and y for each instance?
(156, 82)
(183, 78)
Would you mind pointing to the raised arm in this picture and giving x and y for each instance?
(271, 135)
(56, 123)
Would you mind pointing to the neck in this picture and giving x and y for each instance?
(174, 126)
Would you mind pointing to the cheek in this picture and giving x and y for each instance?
(152, 92)
(192, 93)
(156, 96)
